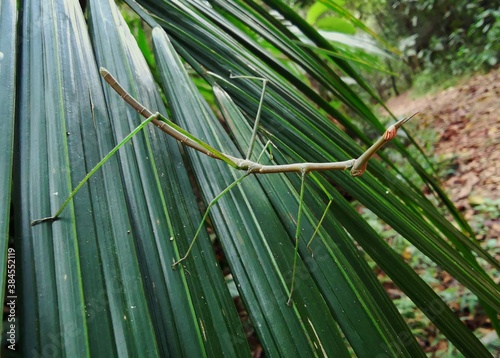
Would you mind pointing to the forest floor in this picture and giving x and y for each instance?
(466, 122)
(459, 127)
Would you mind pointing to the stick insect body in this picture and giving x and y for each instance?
(357, 166)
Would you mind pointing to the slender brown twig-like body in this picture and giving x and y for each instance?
(358, 166)
(146, 113)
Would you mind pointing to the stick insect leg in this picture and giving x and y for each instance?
(98, 165)
(320, 222)
(297, 236)
(270, 145)
(330, 201)
(257, 116)
(204, 218)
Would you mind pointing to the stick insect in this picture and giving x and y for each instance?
(357, 166)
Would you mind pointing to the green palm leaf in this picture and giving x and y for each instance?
(99, 280)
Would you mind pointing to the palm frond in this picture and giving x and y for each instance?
(99, 281)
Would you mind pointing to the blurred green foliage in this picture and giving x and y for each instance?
(435, 37)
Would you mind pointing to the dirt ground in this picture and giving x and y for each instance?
(462, 126)
(466, 118)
